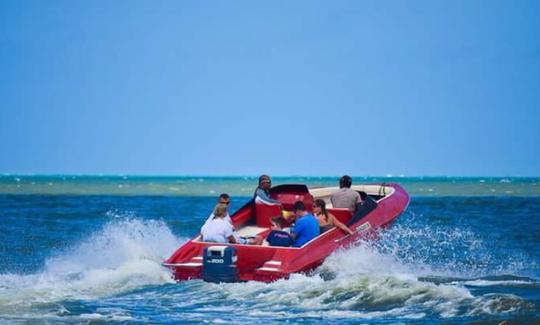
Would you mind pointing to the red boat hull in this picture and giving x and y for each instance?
(269, 263)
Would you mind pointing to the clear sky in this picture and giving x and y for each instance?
(278, 87)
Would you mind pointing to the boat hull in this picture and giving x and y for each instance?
(269, 263)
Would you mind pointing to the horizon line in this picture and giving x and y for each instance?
(251, 176)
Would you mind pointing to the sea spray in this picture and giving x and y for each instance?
(448, 250)
(125, 254)
(365, 284)
(445, 260)
(383, 278)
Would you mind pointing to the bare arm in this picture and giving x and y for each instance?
(338, 224)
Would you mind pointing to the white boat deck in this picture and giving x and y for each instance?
(250, 231)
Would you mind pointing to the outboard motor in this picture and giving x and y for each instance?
(219, 264)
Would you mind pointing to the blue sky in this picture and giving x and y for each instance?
(280, 87)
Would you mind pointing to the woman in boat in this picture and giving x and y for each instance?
(219, 230)
(327, 220)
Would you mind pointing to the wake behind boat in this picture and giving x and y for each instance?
(210, 261)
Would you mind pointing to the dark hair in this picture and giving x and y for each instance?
(278, 220)
(224, 196)
(321, 204)
(264, 178)
(299, 205)
(345, 181)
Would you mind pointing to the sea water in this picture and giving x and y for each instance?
(84, 250)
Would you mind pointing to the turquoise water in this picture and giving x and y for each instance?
(208, 186)
(459, 254)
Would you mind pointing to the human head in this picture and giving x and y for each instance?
(299, 209)
(277, 222)
(265, 182)
(319, 204)
(224, 198)
(220, 210)
(345, 181)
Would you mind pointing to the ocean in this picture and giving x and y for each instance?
(87, 249)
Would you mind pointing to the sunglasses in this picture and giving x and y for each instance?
(226, 203)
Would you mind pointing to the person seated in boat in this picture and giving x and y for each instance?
(262, 193)
(345, 197)
(223, 198)
(278, 237)
(306, 226)
(327, 220)
(219, 230)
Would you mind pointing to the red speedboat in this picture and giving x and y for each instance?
(216, 262)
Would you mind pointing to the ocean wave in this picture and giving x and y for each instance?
(502, 283)
(359, 283)
(447, 250)
(125, 254)
(413, 271)
(400, 275)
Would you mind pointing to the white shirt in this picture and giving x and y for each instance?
(227, 218)
(217, 230)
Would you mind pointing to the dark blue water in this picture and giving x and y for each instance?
(79, 259)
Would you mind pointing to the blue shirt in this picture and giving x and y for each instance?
(306, 228)
(279, 238)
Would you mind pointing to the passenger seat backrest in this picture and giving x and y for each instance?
(362, 210)
(264, 213)
(342, 214)
(288, 200)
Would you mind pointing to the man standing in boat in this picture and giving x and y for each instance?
(262, 193)
(345, 197)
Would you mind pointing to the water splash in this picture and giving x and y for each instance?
(360, 283)
(124, 255)
(448, 250)
(409, 272)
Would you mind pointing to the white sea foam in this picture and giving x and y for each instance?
(441, 251)
(126, 254)
(490, 283)
(373, 280)
(364, 282)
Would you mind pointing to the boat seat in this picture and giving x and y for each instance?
(264, 213)
(251, 231)
(362, 210)
(342, 214)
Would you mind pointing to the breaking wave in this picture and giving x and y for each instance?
(364, 283)
(409, 272)
(125, 254)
